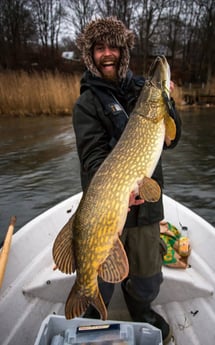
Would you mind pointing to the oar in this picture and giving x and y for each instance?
(6, 248)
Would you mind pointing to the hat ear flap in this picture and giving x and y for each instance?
(130, 39)
(124, 62)
(90, 64)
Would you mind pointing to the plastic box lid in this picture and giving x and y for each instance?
(56, 330)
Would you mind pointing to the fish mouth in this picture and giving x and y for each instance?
(159, 73)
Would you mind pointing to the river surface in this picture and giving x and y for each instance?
(39, 166)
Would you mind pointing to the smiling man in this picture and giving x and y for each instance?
(109, 91)
(106, 60)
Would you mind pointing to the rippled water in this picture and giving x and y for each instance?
(190, 168)
(39, 166)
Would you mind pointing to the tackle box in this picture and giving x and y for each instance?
(56, 330)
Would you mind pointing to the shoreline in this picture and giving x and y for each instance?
(179, 107)
(28, 115)
(185, 107)
(54, 95)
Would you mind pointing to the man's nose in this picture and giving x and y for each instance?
(107, 51)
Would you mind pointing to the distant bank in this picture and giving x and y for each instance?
(54, 94)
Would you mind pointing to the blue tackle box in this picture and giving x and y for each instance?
(56, 330)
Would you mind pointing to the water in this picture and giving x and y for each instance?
(39, 166)
(189, 169)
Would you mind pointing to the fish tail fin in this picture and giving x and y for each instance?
(76, 304)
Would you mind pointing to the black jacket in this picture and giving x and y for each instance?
(99, 117)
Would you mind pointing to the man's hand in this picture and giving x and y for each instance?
(167, 140)
(133, 201)
(172, 86)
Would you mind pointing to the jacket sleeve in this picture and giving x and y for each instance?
(91, 135)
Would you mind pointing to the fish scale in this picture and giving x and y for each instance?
(89, 243)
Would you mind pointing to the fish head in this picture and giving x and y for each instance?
(157, 96)
(153, 101)
(159, 74)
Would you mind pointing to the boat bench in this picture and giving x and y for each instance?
(182, 284)
(178, 284)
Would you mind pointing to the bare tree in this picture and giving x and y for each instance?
(48, 17)
(79, 13)
(173, 27)
(207, 37)
(182, 29)
(148, 15)
(191, 16)
(16, 30)
(122, 9)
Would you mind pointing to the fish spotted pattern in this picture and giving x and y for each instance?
(89, 243)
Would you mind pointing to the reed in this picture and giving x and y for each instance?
(23, 94)
(46, 93)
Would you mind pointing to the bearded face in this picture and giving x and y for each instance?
(106, 59)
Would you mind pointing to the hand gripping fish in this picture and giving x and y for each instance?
(89, 243)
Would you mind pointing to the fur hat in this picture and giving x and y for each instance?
(113, 32)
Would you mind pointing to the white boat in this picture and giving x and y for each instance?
(32, 290)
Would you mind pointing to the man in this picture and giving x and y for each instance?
(109, 92)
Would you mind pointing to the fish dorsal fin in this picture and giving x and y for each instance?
(170, 127)
(115, 268)
(149, 190)
(63, 249)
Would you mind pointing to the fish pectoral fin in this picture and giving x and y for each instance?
(149, 190)
(63, 249)
(115, 268)
(77, 304)
(170, 127)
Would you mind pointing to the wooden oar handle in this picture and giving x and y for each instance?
(6, 248)
(12, 221)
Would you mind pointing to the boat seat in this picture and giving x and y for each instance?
(178, 284)
(183, 284)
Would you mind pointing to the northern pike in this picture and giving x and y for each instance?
(89, 242)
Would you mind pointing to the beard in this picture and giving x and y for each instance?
(108, 67)
(110, 75)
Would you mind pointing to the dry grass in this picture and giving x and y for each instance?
(22, 94)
